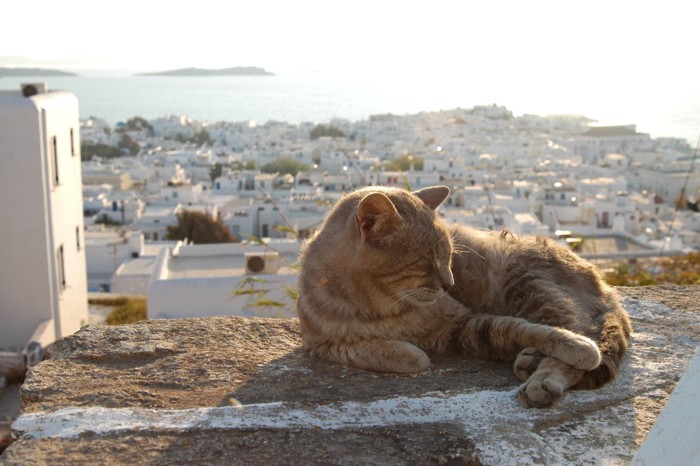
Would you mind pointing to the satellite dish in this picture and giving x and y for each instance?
(29, 90)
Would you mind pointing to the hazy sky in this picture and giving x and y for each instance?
(595, 49)
(559, 38)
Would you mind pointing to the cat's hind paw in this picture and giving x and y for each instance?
(542, 389)
(526, 363)
(388, 356)
(407, 358)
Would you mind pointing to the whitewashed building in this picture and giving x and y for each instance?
(156, 219)
(43, 284)
(106, 250)
(667, 181)
(248, 279)
(245, 182)
(601, 140)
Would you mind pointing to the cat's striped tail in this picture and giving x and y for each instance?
(612, 342)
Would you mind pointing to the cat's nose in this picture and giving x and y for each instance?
(447, 280)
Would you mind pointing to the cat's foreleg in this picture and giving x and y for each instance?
(548, 383)
(503, 337)
(375, 354)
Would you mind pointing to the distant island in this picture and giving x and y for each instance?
(31, 72)
(235, 71)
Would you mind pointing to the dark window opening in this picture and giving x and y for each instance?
(72, 143)
(54, 160)
(61, 268)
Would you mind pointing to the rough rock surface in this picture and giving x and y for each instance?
(232, 390)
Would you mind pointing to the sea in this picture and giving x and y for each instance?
(318, 98)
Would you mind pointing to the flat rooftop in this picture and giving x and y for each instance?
(216, 266)
(611, 244)
(226, 259)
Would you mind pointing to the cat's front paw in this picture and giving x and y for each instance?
(388, 356)
(542, 389)
(577, 351)
(526, 363)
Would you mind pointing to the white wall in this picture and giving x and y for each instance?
(105, 251)
(42, 214)
(554, 215)
(200, 297)
(666, 185)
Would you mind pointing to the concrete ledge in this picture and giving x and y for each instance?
(240, 391)
(673, 439)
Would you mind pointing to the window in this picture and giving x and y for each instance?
(54, 160)
(72, 142)
(61, 268)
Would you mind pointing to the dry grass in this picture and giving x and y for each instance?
(127, 309)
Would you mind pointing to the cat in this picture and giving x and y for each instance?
(384, 282)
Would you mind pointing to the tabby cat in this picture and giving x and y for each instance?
(384, 282)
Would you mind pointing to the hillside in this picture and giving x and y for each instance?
(31, 72)
(235, 71)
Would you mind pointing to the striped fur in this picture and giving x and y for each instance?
(384, 283)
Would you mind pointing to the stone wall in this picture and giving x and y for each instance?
(238, 390)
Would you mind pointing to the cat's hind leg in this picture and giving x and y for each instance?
(503, 337)
(374, 354)
(548, 383)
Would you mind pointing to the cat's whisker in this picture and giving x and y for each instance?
(466, 249)
(398, 296)
(444, 238)
(417, 296)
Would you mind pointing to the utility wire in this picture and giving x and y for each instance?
(669, 233)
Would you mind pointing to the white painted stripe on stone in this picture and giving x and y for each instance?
(72, 422)
(494, 421)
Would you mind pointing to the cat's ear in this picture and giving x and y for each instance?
(433, 196)
(376, 215)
